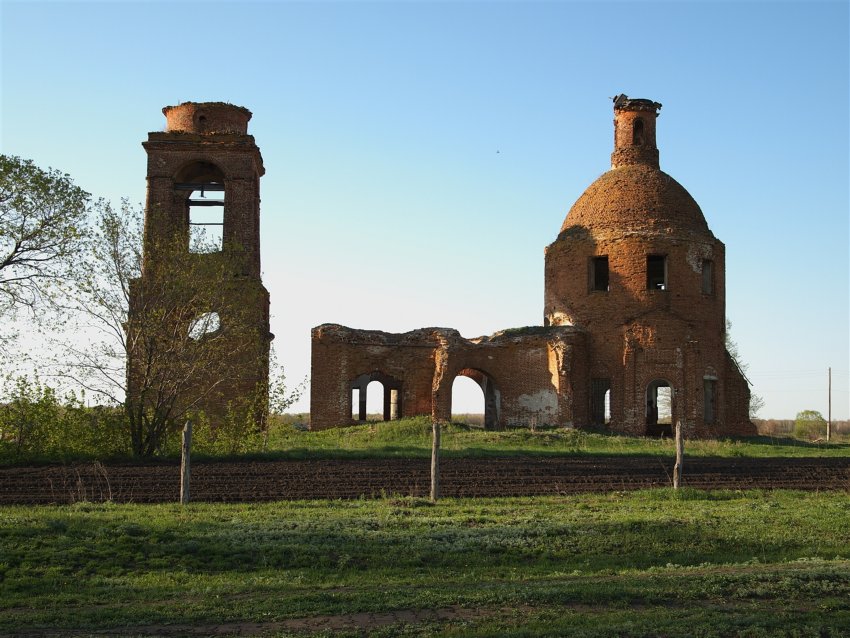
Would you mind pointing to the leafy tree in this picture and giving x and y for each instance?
(42, 219)
(809, 424)
(756, 402)
(178, 354)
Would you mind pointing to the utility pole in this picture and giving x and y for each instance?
(680, 457)
(435, 462)
(829, 414)
(185, 453)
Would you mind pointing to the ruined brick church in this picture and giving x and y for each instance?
(634, 312)
(633, 334)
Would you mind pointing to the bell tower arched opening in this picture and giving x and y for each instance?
(201, 184)
(638, 138)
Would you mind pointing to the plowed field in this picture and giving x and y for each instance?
(329, 479)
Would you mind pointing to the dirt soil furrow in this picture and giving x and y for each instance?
(231, 481)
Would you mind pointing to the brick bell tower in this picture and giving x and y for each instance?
(200, 295)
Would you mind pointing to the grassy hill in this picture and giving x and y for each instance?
(412, 437)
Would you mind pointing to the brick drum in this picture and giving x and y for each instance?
(634, 312)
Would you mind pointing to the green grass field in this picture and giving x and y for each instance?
(412, 438)
(651, 563)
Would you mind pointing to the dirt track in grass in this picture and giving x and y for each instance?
(334, 623)
(330, 479)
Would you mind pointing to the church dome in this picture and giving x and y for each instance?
(635, 198)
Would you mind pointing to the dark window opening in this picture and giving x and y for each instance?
(599, 273)
(656, 272)
(600, 401)
(709, 400)
(659, 409)
(708, 277)
(637, 133)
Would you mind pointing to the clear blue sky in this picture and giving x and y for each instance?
(420, 155)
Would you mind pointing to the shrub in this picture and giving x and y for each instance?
(35, 423)
(809, 424)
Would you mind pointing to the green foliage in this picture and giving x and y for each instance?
(809, 424)
(756, 401)
(246, 426)
(648, 563)
(42, 221)
(36, 424)
(153, 361)
(239, 433)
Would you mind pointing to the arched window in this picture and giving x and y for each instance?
(206, 219)
(637, 133)
(204, 324)
(375, 391)
(202, 184)
(709, 399)
(373, 394)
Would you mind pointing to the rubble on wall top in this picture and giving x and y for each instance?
(529, 332)
(228, 105)
(378, 337)
(624, 102)
(430, 336)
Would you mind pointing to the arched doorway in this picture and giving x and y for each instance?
(387, 407)
(467, 402)
(659, 408)
(492, 407)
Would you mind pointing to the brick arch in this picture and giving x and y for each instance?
(392, 394)
(492, 395)
(199, 170)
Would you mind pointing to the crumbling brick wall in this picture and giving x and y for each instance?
(634, 302)
(526, 374)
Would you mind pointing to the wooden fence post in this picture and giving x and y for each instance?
(680, 453)
(185, 472)
(435, 461)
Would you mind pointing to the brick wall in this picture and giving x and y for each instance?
(527, 373)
